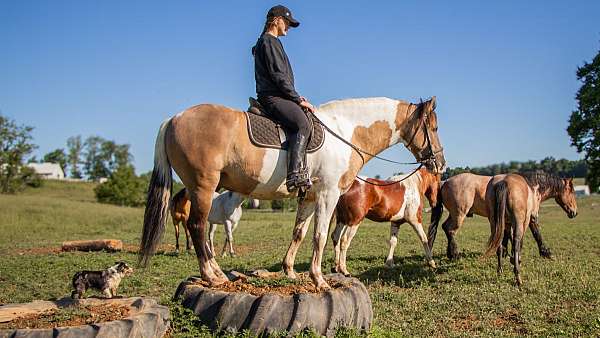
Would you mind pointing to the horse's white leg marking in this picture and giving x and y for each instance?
(346, 240)
(418, 227)
(389, 261)
(326, 202)
(304, 215)
(336, 236)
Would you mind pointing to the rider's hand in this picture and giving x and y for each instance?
(305, 104)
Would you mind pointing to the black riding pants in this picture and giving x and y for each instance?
(288, 113)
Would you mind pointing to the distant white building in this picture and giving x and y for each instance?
(48, 170)
(582, 190)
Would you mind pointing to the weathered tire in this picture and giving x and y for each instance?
(146, 319)
(324, 312)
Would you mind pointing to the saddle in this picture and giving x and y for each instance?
(265, 132)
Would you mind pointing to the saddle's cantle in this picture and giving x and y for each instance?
(266, 133)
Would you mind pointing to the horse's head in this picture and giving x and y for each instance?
(566, 197)
(422, 137)
(430, 186)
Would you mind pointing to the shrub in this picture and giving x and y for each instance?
(122, 188)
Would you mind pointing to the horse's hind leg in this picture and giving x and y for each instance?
(229, 226)
(451, 226)
(201, 198)
(394, 227)
(336, 235)
(305, 212)
(345, 243)
(517, 245)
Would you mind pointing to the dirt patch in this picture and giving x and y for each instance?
(69, 316)
(511, 319)
(465, 324)
(163, 248)
(281, 285)
(38, 251)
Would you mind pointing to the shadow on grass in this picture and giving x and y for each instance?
(409, 271)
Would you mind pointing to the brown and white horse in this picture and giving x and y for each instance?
(465, 194)
(209, 148)
(380, 201)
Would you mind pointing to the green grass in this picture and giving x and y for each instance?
(462, 298)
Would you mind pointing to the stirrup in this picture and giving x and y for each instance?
(297, 180)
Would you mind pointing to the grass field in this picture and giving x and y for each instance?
(463, 298)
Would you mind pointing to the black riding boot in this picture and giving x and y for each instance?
(297, 173)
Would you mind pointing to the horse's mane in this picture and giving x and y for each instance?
(545, 181)
(337, 105)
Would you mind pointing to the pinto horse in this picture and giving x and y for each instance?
(465, 194)
(209, 148)
(383, 201)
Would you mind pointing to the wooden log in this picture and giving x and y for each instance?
(93, 245)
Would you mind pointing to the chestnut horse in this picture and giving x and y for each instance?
(465, 194)
(209, 148)
(381, 201)
(180, 212)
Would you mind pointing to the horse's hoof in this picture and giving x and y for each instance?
(323, 286)
(431, 264)
(291, 274)
(389, 263)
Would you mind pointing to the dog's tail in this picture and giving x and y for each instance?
(501, 195)
(157, 202)
(436, 216)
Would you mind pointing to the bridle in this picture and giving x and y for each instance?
(427, 154)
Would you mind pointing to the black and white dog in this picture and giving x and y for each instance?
(106, 281)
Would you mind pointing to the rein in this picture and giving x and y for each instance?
(360, 151)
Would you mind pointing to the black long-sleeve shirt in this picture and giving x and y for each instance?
(272, 69)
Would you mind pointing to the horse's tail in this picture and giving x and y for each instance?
(501, 195)
(157, 202)
(436, 216)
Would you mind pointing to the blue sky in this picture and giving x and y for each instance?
(503, 72)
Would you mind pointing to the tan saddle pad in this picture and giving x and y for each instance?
(267, 133)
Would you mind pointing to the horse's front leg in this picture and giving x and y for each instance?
(176, 225)
(229, 226)
(517, 245)
(211, 237)
(537, 235)
(326, 202)
(305, 212)
(394, 227)
(418, 228)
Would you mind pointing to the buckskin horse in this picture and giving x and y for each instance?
(209, 148)
(383, 201)
(465, 194)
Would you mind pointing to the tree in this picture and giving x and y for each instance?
(93, 165)
(57, 156)
(15, 145)
(584, 123)
(122, 188)
(74, 158)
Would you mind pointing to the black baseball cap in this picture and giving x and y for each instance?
(284, 12)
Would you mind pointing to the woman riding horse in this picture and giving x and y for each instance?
(275, 91)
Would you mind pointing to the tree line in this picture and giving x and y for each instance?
(561, 167)
(94, 157)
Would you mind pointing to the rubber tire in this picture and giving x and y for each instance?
(150, 320)
(272, 313)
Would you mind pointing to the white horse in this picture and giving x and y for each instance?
(227, 210)
(209, 148)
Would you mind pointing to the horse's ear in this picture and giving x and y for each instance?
(433, 103)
